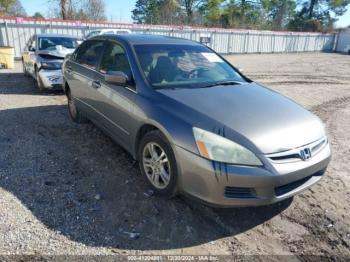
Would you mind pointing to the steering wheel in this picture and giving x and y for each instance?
(196, 72)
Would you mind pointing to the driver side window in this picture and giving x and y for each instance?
(31, 44)
(115, 59)
(89, 53)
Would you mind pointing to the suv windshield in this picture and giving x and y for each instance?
(183, 66)
(50, 43)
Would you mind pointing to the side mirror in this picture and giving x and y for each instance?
(32, 49)
(116, 77)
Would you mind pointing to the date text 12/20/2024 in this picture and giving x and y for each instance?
(172, 258)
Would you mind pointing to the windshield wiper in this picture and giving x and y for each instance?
(223, 83)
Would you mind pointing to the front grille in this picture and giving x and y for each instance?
(281, 190)
(295, 154)
(317, 147)
(285, 157)
(240, 192)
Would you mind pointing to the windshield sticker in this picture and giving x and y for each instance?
(212, 57)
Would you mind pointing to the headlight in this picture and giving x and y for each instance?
(218, 148)
(51, 65)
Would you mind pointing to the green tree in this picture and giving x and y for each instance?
(5, 6)
(242, 14)
(279, 12)
(191, 7)
(318, 15)
(12, 8)
(212, 10)
(157, 12)
(170, 12)
(146, 11)
(38, 15)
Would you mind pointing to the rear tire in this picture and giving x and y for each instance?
(73, 111)
(159, 167)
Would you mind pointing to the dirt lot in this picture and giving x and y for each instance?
(68, 189)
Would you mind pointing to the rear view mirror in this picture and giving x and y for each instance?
(116, 77)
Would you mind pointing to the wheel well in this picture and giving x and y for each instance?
(142, 131)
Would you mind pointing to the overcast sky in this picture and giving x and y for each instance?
(120, 10)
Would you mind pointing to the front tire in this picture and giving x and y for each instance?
(73, 111)
(25, 72)
(158, 164)
(38, 80)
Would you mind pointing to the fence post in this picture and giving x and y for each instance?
(7, 35)
(335, 42)
(212, 39)
(246, 39)
(229, 44)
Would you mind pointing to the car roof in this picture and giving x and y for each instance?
(135, 39)
(56, 35)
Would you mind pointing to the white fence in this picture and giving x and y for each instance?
(16, 32)
(343, 42)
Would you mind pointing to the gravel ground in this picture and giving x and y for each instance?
(68, 189)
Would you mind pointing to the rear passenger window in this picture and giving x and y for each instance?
(89, 53)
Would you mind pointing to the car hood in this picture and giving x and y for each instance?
(58, 52)
(271, 121)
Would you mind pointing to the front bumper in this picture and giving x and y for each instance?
(225, 185)
(51, 79)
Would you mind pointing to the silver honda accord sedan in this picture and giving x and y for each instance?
(196, 125)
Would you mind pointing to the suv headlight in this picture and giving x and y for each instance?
(218, 148)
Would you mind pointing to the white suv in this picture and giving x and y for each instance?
(108, 31)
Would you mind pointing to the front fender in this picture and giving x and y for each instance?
(176, 129)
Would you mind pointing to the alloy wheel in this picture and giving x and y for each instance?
(156, 165)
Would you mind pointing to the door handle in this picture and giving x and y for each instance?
(96, 84)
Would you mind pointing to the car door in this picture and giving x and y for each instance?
(116, 102)
(80, 73)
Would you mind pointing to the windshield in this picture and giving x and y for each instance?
(183, 66)
(50, 43)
